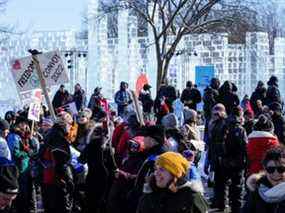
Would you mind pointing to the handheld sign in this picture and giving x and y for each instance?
(34, 111)
(25, 74)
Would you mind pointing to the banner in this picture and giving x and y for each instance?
(25, 75)
(203, 76)
(141, 81)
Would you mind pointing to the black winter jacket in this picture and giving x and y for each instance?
(191, 97)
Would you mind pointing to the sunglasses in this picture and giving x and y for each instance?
(272, 169)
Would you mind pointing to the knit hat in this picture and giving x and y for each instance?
(170, 121)
(156, 132)
(264, 124)
(189, 114)
(4, 124)
(174, 163)
(9, 179)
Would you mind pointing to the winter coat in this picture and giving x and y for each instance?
(22, 151)
(217, 133)
(258, 94)
(145, 171)
(234, 156)
(263, 197)
(55, 157)
(147, 102)
(191, 97)
(229, 100)
(187, 199)
(279, 128)
(98, 174)
(273, 95)
(60, 99)
(210, 99)
(118, 196)
(122, 99)
(4, 149)
(248, 125)
(79, 97)
(258, 144)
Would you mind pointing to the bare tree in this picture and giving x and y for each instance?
(171, 20)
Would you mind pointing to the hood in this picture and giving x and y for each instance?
(195, 186)
(233, 120)
(253, 180)
(261, 134)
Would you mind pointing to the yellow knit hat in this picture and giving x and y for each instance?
(174, 163)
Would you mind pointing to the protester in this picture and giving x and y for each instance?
(259, 141)
(123, 99)
(267, 190)
(278, 121)
(228, 97)
(154, 140)
(259, 94)
(61, 97)
(273, 93)
(191, 96)
(98, 174)
(210, 97)
(126, 175)
(168, 191)
(147, 101)
(230, 168)
(4, 131)
(23, 147)
(57, 180)
(86, 127)
(10, 117)
(79, 97)
(97, 95)
(9, 187)
(193, 174)
(173, 134)
(248, 121)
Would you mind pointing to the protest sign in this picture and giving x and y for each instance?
(34, 111)
(25, 74)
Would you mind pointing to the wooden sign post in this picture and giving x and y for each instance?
(42, 82)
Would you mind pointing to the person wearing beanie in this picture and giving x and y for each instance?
(172, 132)
(4, 131)
(248, 121)
(191, 96)
(147, 101)
(278, 121)
(273, 92)
(154, 145)
(230, 163)
(168, 191)
(85, 128)
(23, 147)
(259, 141)
(9, 186)
(259, 94)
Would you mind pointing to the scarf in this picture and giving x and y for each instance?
(274, 194)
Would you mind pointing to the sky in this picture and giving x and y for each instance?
(37, 15)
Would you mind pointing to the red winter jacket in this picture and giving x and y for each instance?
(117, 134)
(258, 144)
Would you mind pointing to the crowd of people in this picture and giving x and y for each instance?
(111, 161)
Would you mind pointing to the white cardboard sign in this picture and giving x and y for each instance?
(34, 111)
(25, 75)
